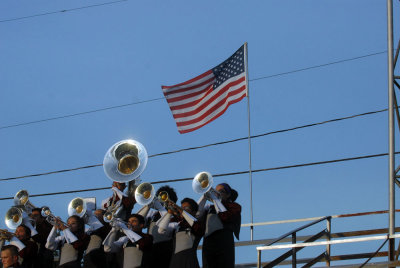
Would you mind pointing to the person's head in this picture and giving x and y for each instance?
(226, 192)
(171, 192)
(9, 255)
(37, 216)
(99, 213)
(76, 224)
(23, 233)
(136, 222)
(189, 205)
(119, 185)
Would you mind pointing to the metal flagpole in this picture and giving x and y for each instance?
(249, 140)
(391, 249)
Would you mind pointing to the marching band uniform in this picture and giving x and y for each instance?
(95, 256)
(162, 241)
(45, 257)
(222, 221)
(72, 247)
(127, 202)
(136, 247)
(186, 239)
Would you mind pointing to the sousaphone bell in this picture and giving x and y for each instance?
(125, 161)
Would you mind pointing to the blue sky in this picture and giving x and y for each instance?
(93, 58)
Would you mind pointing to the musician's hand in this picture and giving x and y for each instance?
(59, 225)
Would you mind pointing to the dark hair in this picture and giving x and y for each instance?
(234, 195)
(171, 192)
(27, 230)
(192, 203)
(13, 249)
(38, 210)
(81, 223)
(137, 216)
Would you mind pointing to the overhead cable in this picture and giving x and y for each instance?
(205, 146)
(61, 11)
(156, 99)
(222, 174)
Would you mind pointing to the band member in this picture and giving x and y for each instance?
(95, 255)
(29, 252)
(222, 221)
(188, 234)
(162, 242)
(45, 257)
(136, 245)
(126, 201)
(73, 242)
(14, 241)
(9, 256)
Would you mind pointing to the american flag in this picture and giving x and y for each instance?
(200, 100)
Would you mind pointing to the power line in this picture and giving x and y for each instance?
(82, 113)
(156, 99)
(61, 11)
(319, 66)
(208, 145)
(223, 174)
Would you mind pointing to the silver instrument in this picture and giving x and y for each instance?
(144, 193)
(125, 161)
(46, 212)
(21, 199)
(14, 217)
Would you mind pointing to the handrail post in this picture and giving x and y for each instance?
(294, 261)
(328, 238)
(258, 258)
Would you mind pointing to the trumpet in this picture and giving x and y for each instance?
(50, 218)
(171, 206)
(21, 199)
(125, 161)
(163, 197)
(112, 214)
(6, 235)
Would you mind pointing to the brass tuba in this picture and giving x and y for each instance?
(125, 161)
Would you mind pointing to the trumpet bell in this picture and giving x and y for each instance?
(144, 193)
(13, 217)
(77, 207)
(202, 182)
(45, 211)
(125, 160)
(108, 216)
(163, 196)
